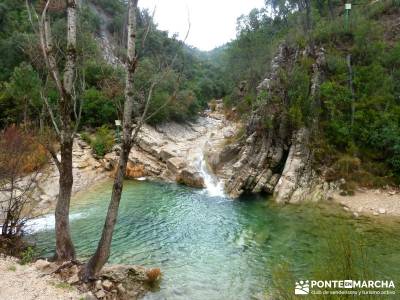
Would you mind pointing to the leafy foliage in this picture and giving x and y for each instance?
(102, 141)
(28, 256)
(192, 81)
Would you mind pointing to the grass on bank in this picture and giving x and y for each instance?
(345, 257)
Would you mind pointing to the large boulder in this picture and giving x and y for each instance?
(216, 157)
(135, 170)
(190, 178)
(129, 281)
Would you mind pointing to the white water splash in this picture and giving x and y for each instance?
(47, 222)
(214, 187)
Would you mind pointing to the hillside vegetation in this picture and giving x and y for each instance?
(191, 82)
(359, 114)
(358, 132)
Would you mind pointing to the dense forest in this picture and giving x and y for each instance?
(192, 81)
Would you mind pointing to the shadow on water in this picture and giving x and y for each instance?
(216, 248)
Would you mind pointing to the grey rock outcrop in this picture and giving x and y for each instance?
(275, 157)
(171, 151)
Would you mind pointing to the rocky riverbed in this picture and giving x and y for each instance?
(175, 151)
(169, 152)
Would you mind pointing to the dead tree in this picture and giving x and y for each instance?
(66, 122)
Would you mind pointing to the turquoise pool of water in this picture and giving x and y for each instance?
(216, 248)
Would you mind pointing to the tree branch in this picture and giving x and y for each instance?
(49, 109)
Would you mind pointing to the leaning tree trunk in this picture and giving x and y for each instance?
(102, 253)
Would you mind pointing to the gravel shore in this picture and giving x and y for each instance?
(372, 202)
(25, 282)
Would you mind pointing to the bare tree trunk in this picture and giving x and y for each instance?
(102, 253)
(65, 127)
(64, 246)
(25, 114)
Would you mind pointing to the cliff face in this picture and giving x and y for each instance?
(275, 157)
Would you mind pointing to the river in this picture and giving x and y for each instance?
(210, 247)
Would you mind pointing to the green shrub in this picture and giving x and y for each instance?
(346, 165)
(103, 141)
(64, 286)
(97, 109)
(28, 256)
(12, 268)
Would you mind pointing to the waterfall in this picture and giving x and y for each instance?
(214, 187)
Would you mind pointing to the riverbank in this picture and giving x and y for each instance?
(43, 280)
(26, 282)
(371, 202)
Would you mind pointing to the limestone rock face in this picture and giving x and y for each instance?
(274, 156)
(297, 176)
(172, 151)
(216, 157)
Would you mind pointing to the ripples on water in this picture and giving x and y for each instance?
(213, 247)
